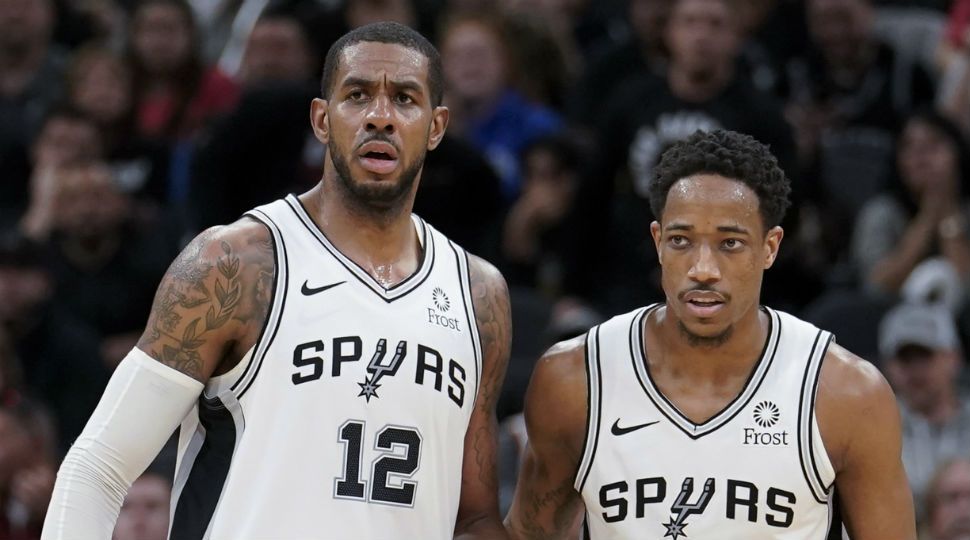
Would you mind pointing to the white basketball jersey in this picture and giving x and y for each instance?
(756, 470)
(347, 419)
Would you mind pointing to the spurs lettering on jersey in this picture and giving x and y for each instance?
(310, 360)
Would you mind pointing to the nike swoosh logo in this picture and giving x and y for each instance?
(617, 430)
(310, 291)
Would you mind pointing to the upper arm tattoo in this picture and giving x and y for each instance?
(193, 301)
(492, 314)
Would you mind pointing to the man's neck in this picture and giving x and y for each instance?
(732, 358)
(694, 89)
(384, 245)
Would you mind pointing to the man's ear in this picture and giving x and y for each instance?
(439, 123)
(772, 244)
(319, 109)
(656, 233)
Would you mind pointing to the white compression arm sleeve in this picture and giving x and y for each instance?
(143, 404)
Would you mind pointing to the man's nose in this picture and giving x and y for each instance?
(380, 115)
(705, 268)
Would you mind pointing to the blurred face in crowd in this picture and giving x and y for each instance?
(923, 377)
(713, 251)
(840, 28)
(475, 62)
(89, 203)
(363, 12)
(66, 139)
(648, 18)
(703, 37)
(949, 517)
(25, 23)
(277, 52)
(379, 123)
(927, 159)
(162, 37)
(144, 514)
(102, 88)
(547, 180)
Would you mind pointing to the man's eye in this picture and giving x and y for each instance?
(403, 99)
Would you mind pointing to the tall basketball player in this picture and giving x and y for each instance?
(711, 416)
(333, 360)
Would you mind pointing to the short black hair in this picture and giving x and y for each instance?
(386, 32)
(729, 154)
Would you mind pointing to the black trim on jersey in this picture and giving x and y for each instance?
(425, 267)
(641, 356)
(472, 331)
(835, 518)
(599, 407)
(801, 420)
(272, 298)
(818, 376)
(285, 275)
(198, 500)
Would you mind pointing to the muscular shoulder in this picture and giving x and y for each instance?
(212, 299)
(853, 398)
(556, 402)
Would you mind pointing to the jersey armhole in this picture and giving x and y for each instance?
(816, 466)
(238, 384)
(594, 402)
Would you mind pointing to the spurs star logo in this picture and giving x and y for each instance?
(368, 388)
(684, 509)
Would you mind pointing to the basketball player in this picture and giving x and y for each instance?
(711, 416)
(333, 360)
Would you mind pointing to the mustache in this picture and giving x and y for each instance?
(701, 288)
(378, 137)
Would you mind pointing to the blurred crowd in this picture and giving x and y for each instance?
(128, 126)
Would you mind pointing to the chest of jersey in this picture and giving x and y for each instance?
(744, 473)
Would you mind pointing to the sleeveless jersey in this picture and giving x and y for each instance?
(755, 470)
(347, 418)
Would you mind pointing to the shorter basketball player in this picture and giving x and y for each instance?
(333, 360)
(711, 416)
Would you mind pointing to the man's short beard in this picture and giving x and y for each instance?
(705, 342)
(374, 197)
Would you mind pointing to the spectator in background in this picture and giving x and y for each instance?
(27, 469)
(105, 262)
(144, 514)
(61, 360)
(948, 502)
(278, 51)
(701, 91)
(99, 85)
(66, 137)
(848, 97)
(486, 108)
(541, 40)
(31, 69)
(533, 236)
(175, 94)
(923, 359)
(922, 218)
(642, 53)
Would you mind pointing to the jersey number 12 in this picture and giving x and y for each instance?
(399, 451)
